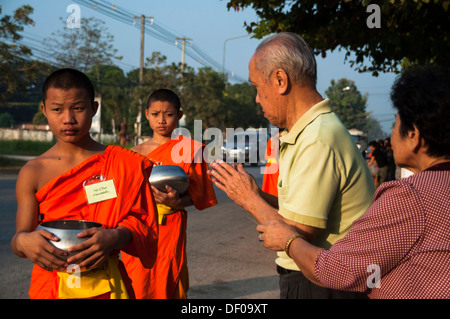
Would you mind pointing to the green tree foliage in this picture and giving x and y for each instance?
(204, 94)
(348, 103)
(156, 75)
(416, 30)
(16, 67)
(374, 130)
(112, 86)
(84, 47)
(6, 120)
(207, 103)
(350, 106)
(241, 108)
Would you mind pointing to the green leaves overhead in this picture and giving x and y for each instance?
(417, 30)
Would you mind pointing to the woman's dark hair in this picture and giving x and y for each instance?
(421, 96)
(67, 79)
(164, 95)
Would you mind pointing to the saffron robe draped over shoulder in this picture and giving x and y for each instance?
(64, 197)
(169, 278)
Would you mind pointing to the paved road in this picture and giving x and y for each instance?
(225, 258)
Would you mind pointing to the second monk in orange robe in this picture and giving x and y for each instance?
(169, 279)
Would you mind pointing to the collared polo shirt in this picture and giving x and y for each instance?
(324, 181)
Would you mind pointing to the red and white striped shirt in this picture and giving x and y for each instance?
(403, 240)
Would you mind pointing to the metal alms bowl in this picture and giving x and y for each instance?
(67, 231)
(170, 175)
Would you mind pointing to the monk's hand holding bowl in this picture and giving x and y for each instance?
(92, 252)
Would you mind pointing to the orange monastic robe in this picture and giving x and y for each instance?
(168, 279)
(270, 177)
(64, 197)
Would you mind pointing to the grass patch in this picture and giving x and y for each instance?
(10, 165)
(19, 147)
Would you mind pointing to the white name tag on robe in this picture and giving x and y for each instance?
(100, 191)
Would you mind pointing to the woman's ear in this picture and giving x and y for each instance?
(415, 140)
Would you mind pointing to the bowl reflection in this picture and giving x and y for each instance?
(170, 175)
(67, 231)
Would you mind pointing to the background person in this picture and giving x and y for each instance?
(380, 158)
(270, 177)
(372, 165)
(404, 238)
(390, 160)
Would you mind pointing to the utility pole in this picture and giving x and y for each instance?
(183, 51)
(141, 75)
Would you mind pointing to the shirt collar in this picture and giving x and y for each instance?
(291, 136)
(440, 167)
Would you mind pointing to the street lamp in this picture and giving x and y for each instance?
(224, 45)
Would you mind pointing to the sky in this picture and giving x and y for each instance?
(218, 36)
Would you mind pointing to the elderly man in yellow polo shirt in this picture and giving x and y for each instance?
(324, 183)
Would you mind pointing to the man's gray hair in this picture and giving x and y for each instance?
(287, 51)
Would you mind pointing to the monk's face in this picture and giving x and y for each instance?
(69, 113)
(163, 117)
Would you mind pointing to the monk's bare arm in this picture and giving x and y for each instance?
(28, 243)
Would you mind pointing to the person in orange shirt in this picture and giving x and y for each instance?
(270, 177)
(53, 186)
(169, 278)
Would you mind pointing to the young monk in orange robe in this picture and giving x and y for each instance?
(53, 187)
(169, 279)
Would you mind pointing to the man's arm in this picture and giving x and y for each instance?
(276, 235)
(272, 200)
(241, 187)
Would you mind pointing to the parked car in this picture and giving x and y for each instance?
(244, 147)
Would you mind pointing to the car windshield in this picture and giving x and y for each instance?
(238, 140)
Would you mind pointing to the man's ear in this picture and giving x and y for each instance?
(282, 80)
(95, 107)
(180, 114)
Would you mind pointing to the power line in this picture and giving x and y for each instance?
(156, 31)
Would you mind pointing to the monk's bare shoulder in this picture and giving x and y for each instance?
(137, 149)
(30, 173)
(40, 170)
(145, 148)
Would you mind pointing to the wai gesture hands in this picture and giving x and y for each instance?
(234, 180)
